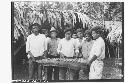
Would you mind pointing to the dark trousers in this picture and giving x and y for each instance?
(63, 71)
(34, 67)
(52, 70)
(72, 74)
(49, 73)
(84, 74)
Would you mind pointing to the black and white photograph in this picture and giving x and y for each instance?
(66, 41)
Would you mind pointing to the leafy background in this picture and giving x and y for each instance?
(83, 15)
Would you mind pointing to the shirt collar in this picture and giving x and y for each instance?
(97, 38)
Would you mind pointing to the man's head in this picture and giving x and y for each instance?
(96, 31)
(79, 33)
(53, 32)
(88, 35)
(45, 32)
(74, 35)
(68, 34)
(35, 28)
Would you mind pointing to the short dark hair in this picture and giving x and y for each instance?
(74, 32)
(87, 32)
(79, 30)
(66, 30)
(35, 24)
(97, 29)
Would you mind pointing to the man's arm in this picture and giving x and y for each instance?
(62, 55)
(28, 47)
(59, 50)
(76, 46)
(89, 62)
(46, 48)
(31, 55)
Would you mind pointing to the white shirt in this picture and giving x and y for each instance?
(36, 44)
(98, 49)
(67, 47)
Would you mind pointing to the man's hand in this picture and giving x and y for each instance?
(89, 62)
(45, 54)
(74, 57)
(62, 55)
(31, 55)
(77, 54)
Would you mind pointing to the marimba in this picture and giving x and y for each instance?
(71, 63)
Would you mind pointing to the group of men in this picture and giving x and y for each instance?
(91, 47)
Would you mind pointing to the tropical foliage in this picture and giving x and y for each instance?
(58, 14)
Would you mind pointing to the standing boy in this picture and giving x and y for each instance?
(80, 39)
(66, 48)
(52, 53)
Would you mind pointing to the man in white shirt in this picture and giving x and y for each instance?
(35, 47)
(97, 54)
(67, 47)
(86, 48)
(80, 40)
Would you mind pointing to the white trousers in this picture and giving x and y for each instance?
(96, 69)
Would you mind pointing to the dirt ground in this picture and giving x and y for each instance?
(112, 70)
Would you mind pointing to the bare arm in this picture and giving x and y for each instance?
(59, 50)
(31, 55)
(76, 46)
(46, 48)
(89, 62)
(28, 48)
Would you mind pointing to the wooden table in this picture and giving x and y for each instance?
(71, 63)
